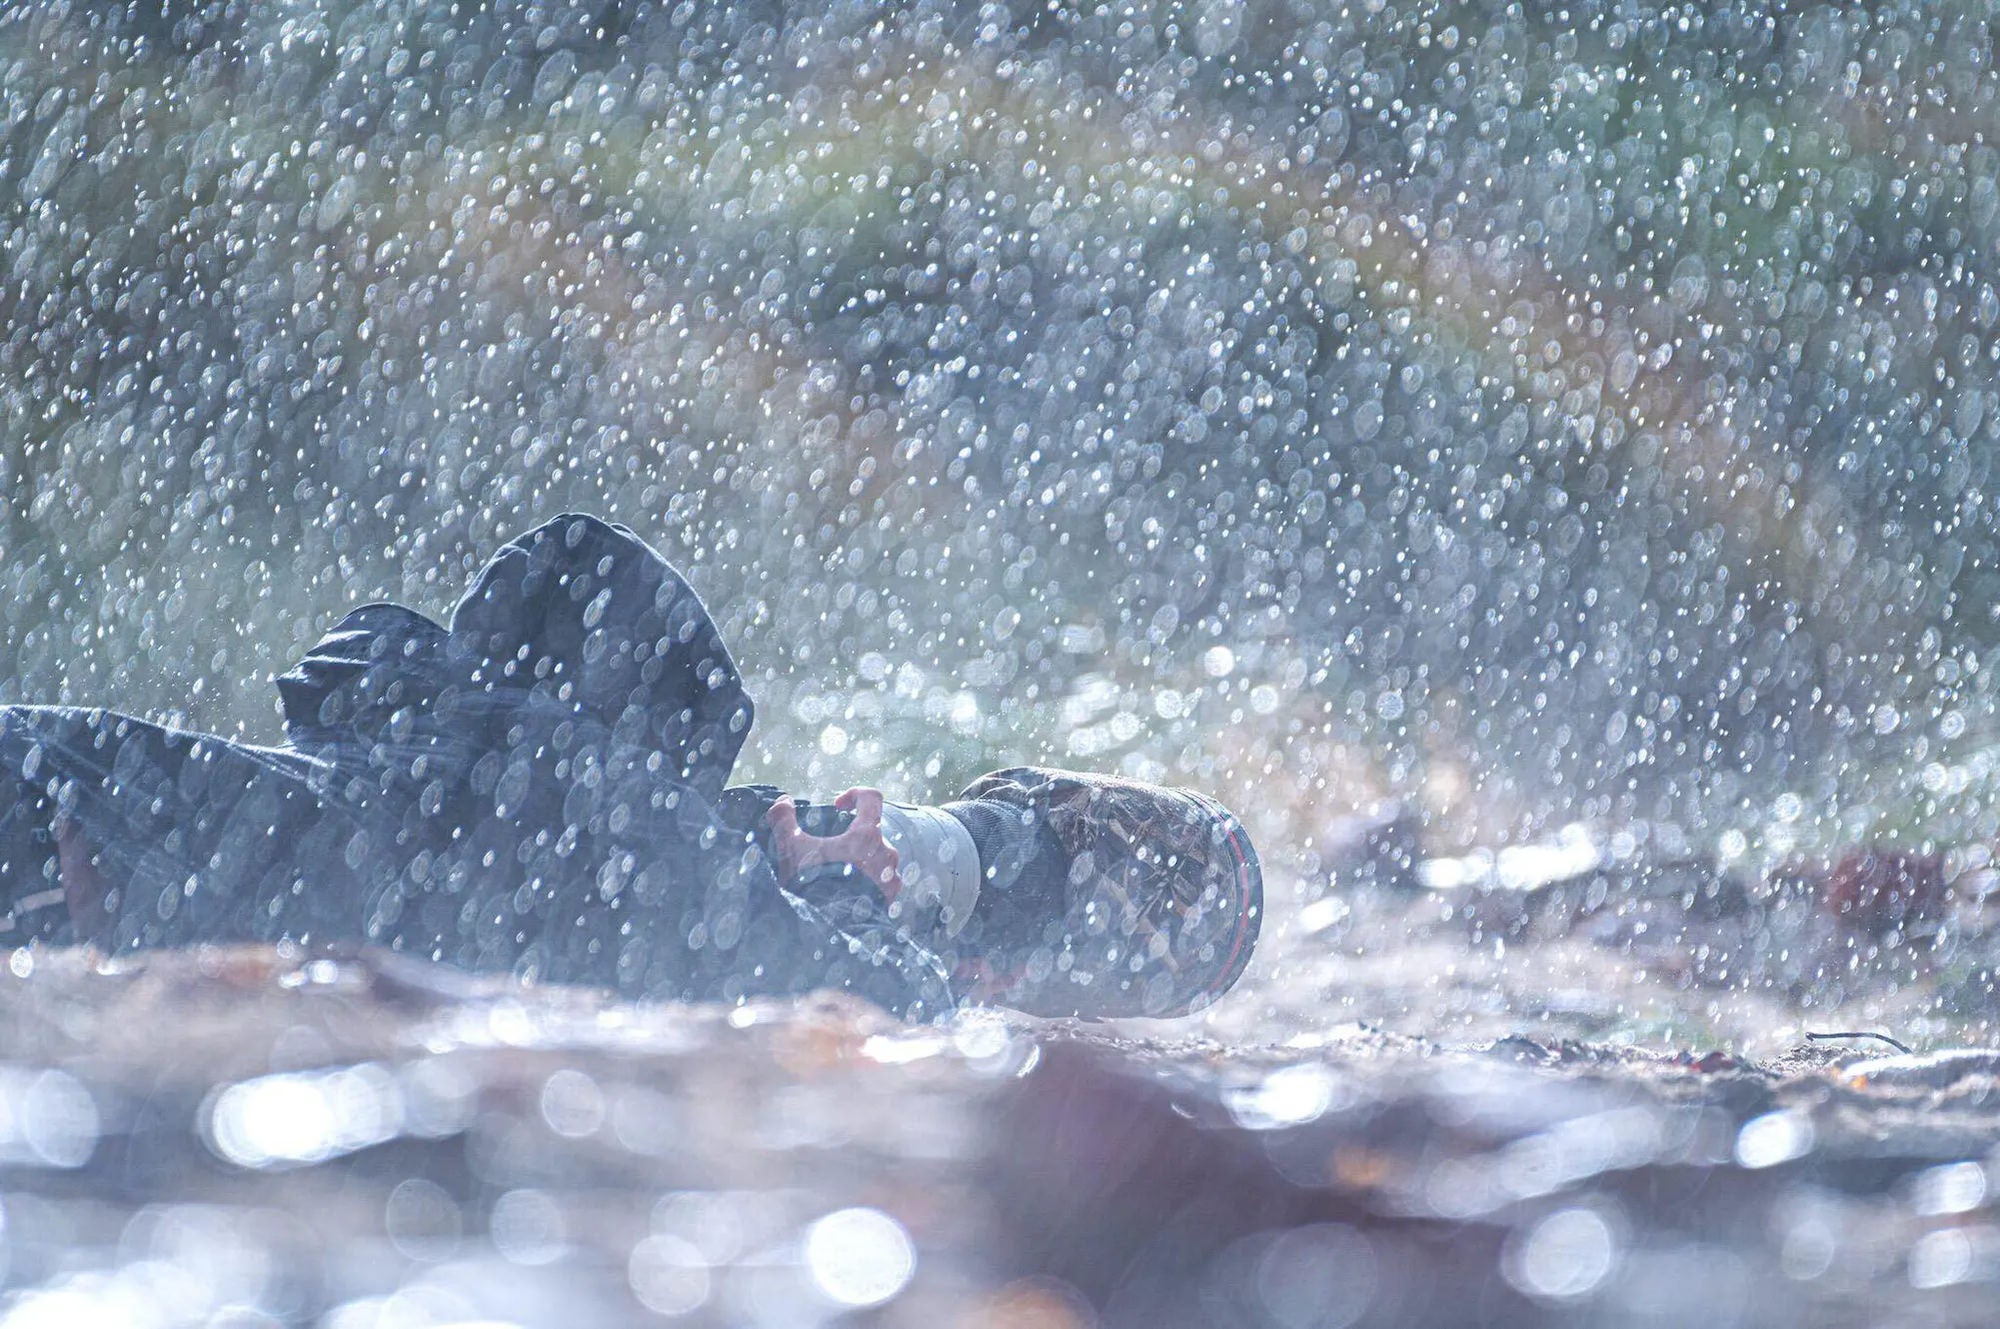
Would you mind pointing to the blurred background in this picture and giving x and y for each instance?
(1473, 421)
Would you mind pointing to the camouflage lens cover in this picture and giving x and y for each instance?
(1164, 891)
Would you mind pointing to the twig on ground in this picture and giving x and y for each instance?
(1859, 1033)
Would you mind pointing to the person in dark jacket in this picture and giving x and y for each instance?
(542, 787)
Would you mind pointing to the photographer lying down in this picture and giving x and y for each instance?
(541, 787)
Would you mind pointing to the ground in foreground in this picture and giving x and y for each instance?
(252, 1136)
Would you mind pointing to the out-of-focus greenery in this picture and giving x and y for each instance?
(1523, 413)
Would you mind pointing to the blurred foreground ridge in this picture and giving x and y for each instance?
(367, 1142)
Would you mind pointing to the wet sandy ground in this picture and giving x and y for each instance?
(250, 1137)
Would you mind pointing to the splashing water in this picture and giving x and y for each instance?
(1532, 462)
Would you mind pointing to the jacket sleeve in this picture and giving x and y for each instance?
(586, 615)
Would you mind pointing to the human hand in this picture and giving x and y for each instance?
(82, 887)
(861, 844)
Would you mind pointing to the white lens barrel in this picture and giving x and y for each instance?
(939, 861)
